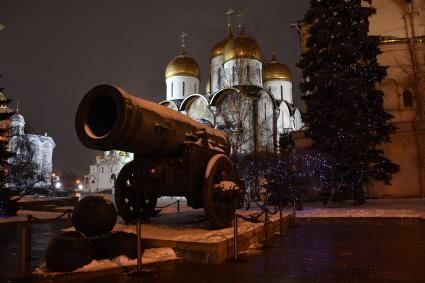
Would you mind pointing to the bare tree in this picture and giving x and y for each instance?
(246, 112)
(25, 175)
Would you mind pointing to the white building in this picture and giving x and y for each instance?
(103, 174)
(248, 98)
(32, 156)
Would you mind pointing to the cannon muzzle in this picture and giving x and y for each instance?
(108, 118)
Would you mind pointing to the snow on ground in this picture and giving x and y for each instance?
(392, 208)
(149, 256)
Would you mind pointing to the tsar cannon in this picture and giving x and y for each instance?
(173, 155)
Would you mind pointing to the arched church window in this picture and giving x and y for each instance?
(183, 88)
(233, 74)
(219, 77)
(248, 73)
(194, 88)
(407, 98)
(172, 89)
(281, 92)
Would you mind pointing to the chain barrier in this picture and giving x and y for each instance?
(255, 219)
(43, 220)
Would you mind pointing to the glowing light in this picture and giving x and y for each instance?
(80, 187)
(58, 185)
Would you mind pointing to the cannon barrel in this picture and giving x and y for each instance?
(109, 118)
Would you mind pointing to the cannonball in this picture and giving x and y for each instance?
(115, 244)
(68, 251)
(94, 216)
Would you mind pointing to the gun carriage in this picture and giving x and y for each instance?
(174, 155)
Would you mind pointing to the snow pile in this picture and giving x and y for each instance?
(149, 256)
(390, 208)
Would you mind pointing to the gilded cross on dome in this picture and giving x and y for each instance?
(240, 15)
(183, 42)
(229, 16)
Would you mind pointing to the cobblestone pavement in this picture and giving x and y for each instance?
(374, 250)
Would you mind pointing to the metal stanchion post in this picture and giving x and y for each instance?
(24, 248)
(280, 221)
(28, 224)
(178, 206)
(266, 227)
(139, 246)
(235, 237)
(139, 271)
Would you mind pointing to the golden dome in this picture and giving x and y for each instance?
(99, 156)
(274, 70)
(218, 49)
(241, 47)
(183, 65)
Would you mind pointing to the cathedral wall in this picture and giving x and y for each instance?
(388, 21)
(216, 75)
(403, 150)
(284, 121)
(198, 109)
(179, 87)
(243, 72)
(281, 90)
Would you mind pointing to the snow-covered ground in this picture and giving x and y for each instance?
(398, 208)
(149, 256)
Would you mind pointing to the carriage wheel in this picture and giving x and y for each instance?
(219, 205)
(132, 205)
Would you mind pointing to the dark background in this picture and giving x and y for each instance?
(53, 51)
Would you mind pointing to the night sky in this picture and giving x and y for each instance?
(53, 51)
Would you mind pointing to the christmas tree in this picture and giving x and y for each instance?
(345, 117)
(7, 206)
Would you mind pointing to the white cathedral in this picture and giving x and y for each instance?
(248, 99)
(33, 154)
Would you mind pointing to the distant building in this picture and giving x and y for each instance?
(31, 153)
(103, 174)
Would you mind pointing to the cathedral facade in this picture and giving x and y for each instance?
(248, 98)
(31, 163)
(103, 174)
